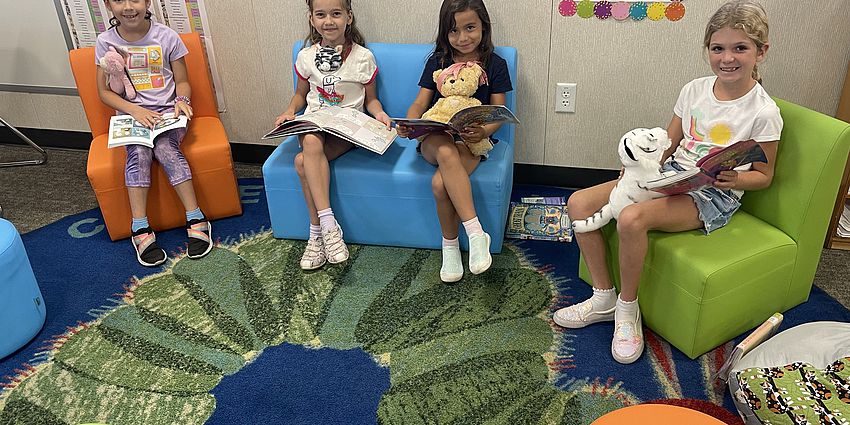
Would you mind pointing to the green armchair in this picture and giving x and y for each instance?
(698, 292)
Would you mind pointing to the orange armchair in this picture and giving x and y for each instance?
(206, 148)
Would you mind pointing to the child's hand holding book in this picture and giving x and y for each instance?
(284, 117)
(715, 169)
(384, 119)
(145, 116)
(726, 179)
(473, 133)
(403, 131)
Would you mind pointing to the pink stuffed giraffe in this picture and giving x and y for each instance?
(114, 65)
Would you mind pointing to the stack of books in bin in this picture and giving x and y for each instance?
(844, 221)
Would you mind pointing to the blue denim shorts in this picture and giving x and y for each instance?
(715, 206)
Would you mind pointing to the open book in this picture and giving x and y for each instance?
(762, 333)
(345, 123)
(706, 170)
(539, 221)
(481, 114)
(124, 130)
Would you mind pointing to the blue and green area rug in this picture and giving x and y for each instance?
(244, 336)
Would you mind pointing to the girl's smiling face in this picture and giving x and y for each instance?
(466, 35)
(733, 55)
(129, 13)
(330, 19)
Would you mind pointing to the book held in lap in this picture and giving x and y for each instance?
(706, 170)
(124, 130)
(481, 114)
(346, 123)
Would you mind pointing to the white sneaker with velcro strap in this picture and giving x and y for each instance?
(582, 314)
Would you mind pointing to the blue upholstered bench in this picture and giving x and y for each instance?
(22, 310)
(387, 200)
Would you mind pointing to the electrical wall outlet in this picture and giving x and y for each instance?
(565, 97)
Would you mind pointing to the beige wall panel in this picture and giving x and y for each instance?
(18, 109)
(629, 73)
(240, 53)
(60, 112)
(524, 24)
(809, 53)
(278, 27)
(394, 21)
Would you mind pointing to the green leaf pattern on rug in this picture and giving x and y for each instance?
(469, 352)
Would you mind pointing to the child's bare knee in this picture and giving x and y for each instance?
(312, 143)
(631, 220)
(438, 187)
(578, 205)
(447, 152)
(299, 164)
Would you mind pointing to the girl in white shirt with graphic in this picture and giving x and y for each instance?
(711, 113)
(334, 69)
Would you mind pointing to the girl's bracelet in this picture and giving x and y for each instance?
(184, 99)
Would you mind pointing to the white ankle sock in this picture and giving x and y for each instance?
(315, 231)
(327, 220)
(473, 227)
(626, 310)
(450, 242)
(603, 299)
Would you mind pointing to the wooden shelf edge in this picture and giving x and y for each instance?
(837, 242)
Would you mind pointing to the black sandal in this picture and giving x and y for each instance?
(200, 238)
(148, 252)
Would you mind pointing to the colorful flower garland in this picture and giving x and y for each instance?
(621, 10)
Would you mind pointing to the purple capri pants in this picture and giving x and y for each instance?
(166, 150)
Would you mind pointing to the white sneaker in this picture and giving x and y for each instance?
(582, 314)
(627, 345)
(479, 253)
(314, 254)
(452, 269)
(335, 248)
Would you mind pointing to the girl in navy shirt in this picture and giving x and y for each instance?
(464, 35)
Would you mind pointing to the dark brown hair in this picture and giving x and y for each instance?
(352, 34)
(443, 49)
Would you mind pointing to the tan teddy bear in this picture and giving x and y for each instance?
(457, 84)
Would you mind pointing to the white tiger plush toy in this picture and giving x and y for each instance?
(640, 152)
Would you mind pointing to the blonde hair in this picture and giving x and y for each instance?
(744, 15)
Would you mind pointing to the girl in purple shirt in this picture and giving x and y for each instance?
(156, 67)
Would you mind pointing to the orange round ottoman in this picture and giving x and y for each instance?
(656, 414)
